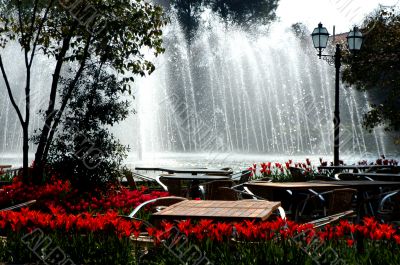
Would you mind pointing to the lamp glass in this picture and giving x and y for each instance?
(354, 40)
(320, 37)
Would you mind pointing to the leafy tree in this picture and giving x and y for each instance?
(189, 13)
(243, 13)
(246, 13)
(376, 68)
(75, 34)
(84, 150)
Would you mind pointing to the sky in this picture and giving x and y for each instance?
(344, 14)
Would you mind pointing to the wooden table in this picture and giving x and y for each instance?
(192, 177)
(361, 186)
(4, 167)
(380, 176)
(175, 185)
(193, 171)
(323, 185)
(271, 188)
(225, 210)
(354, 168)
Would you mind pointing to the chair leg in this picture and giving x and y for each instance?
(282, 212)
(161, 184)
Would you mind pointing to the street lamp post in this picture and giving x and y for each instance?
(320, 37)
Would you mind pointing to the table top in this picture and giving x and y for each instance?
(377, 174)
(355, 167)
(193, 177)
(193, 171)
(243, 209)
(294, 185)
(318, 185)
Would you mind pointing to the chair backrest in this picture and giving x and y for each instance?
(389, 207)
(346, 176)
(130, 180)
(212, 188)
(323, 177)
(228, 172)
(18, 206)
(267, 179)
(173, 186)
(157, 203)
(340, 200)
(297, 174)
(245, 177)
(261, 192)
(227, 194)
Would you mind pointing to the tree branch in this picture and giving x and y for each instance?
(66, 98)
(52, 100)
(20, 23)
(10, 95)
(39, 29)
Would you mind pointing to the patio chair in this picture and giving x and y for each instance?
(18, 206)
(297, 174)
(368, 207)
(267, 179)
(391, 170)
(135, 180)
(324, 178)
(332, 218)
(227, 169)
(389, 206)
(227, 194)
(332, 202)
(129, 179)
(246, 177)
(157, 204)
(174, 187)
(260, 192)
(351, 176)
(245, 193)
(241, 177)
(211, 189)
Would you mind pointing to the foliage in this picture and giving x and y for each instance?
(189, 15)
(108, 35)
(376, 68)
(243, 13)
(246, 13)
(85, 147)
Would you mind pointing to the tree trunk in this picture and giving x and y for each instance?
(50, 113)
(25, 150)
(43, 152)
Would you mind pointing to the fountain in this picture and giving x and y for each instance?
(232, 91)
(227, 91)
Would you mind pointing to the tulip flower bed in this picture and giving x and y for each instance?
(110, 239)
(84, 225)
(276, 242)
(86, 239)
(60, 194)
(280, 171)
(87, 228)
